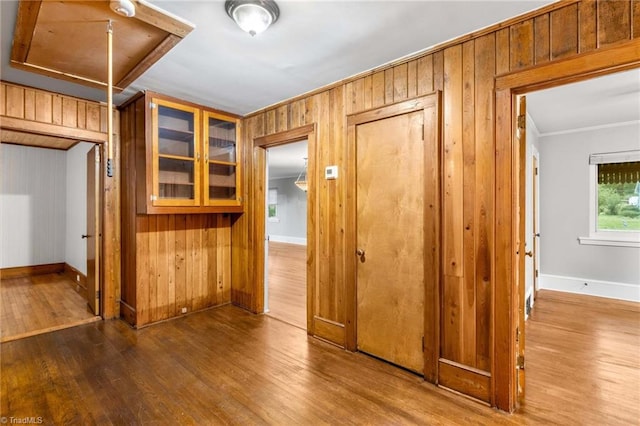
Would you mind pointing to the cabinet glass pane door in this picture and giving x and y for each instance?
(221, 158)
(176, 154)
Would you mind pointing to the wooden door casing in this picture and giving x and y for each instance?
(390, 229)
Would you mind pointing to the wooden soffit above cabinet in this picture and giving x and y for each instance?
(68, 40)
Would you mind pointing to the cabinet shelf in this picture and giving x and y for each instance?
(175, 134)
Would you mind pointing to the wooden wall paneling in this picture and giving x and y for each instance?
(69, 112)
(179, 259)
(142, 282)
(82, 114)
(468, 294)
(614, 22)
(30, 104)
(588, 29)
(43, 108)
(165, 280)
(15, 101)
(424, 69)
(339, 218)
(111, 230)
(504, 342)
(57, 110)
(412, 79)
(152, 272)
(453, 174)
(282, 119)
(388, 86)
(432, 236)
(564, 32)
(378, 89)
(3, 99)
(368, 92)
(400, 82)
(542, 39)
(438, 71)
(521, 44)
(485, 54)
(503, 51)
(635, 22)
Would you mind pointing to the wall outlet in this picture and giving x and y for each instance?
(78, 277)
(184, 310)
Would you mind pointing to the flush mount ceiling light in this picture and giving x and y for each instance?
(253, 16)
(123, 7)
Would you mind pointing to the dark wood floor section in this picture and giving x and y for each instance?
(226, 366)
(288, 283)
(39, 304)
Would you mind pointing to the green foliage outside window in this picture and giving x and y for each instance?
(618, 206)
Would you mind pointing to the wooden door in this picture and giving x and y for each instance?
(536, 229)
(521, 134)
(93, 228)
(390, 239)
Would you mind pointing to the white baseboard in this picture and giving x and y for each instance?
(290, 240)
(608, 289)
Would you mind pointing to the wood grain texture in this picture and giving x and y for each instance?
(390, 231)
(288, 283)
(168, 371)
(614, 21)
(488, 177)
(36, 304)
(564, 32)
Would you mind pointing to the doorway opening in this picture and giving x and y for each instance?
(285, 296)
(581, 239)
(45, 269)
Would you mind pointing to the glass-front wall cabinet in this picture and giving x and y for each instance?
(221, 177)
(176, 154)
(194, 155)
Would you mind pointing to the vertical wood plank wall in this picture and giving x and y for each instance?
(473, 173)
(40, 112)
(171, 261)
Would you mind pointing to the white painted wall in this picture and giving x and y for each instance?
(76, 206)
(292, 213)
(32, 206)
(564, 205)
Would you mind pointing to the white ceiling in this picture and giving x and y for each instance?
(614, 98)
(314, 43)
(287, 160)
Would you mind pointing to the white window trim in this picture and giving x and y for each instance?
(606, 238)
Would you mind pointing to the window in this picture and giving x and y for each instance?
(272, 205)
(615, 192)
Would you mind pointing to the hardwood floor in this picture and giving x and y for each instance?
(288, 283)
(583, 360)
(39, 304)
(227, 366)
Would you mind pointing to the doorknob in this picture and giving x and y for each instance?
(536, 235)
(529, 253)
(360, 254)
(85, 236)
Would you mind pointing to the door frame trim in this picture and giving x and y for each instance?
(260, 188)
(509, 217)
(431, 105)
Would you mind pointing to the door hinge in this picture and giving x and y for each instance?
(98, 295)
(536, 273)
(520, 362)
(152, 105)
(536, 171)
(522, 120)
